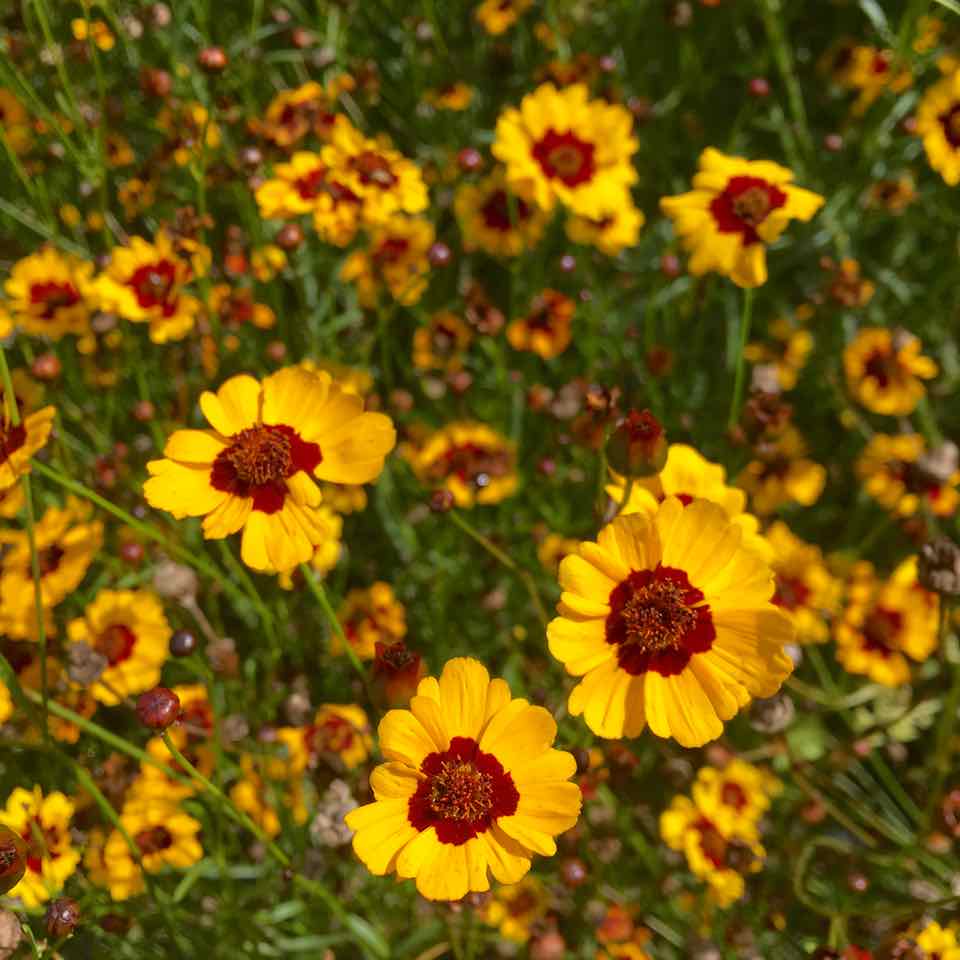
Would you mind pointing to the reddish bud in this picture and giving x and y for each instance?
(47, 367)
(400, 669)
(212, 60)
(301, 38)
(574, 872)
(833, 143)
(441, 501)
(759, 87)
(144, 411)
(63, 915)
(638, 445)
(568, 263)
(182, 643)
(155, 83)
(158, 708)
(548, 946)
(439, 255)
(670, 266)
(290, 236)
(132, 553)
(469, 159)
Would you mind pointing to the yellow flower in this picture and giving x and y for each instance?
(49, 294)
(15, 122)
(11, 501)
(67, 541)
(164, 836)
(292, 114)
(612, 232)
(396, 257)
(386, 182)
(189, 126)
(266, 262)
(545, 330)
(6, 704)
(893, 473)
(129, 628)
(689, 476)
(736, 208)
(492, 219)
(19, 443)
(441, 344)
(97, 30)
(252, 795)
(740, 792)
(144, 283)
(513, 910)
(255, 469)
(44, 824)
(471, 460)
(554, 548)
(455, 96)
(720, 857)
(885, 620)
(873, 71)
(136, 196)
(562, 146)
(497, 16)
(337, 730)
(668, 619)
(344, 497)
(783, 474)
(472, 784)
(368, 616)
(884, 370)
(805, 591)
(327, 553)
(788, 355)
(939, 942)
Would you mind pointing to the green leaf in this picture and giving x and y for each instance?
(950, 5)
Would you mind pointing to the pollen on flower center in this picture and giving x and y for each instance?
(752, 206)
(116, 643)
(656, 617)
(565, 157)
(373, 168)
(153, 283)
(459, 791)
(260, 455)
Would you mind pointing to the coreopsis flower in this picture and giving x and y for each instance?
(497, 16)
(454, 96)
(20, 441)
(164, 835)
(845, 286)
(127, 627)
(687, 475)
(344, 498)
(885, 369)
(44, 824)
(236, 307)
(938, 943)
(6, 704)
(472, 784)
(255, 468)
(368, 617)
(144, 283)
(892, 195)
(292, 114)
(119, 151)
(136, 196)
(895, 473)
(386, 182)
(96, 30)
(190, 129)
(442, 343)
(738, 792)
(471, 460)
(788, 353)
(885, 622)
(495, 220)
(668, 619)
(11, 501)
(338, 730)
(545, 330)
(395, 258)
(806, 591)
(327, 553)
(49, 294)
(718, 856)
(252, 795)
(66, 541)
(782, 473)
(562, 146)
(611, 233)
(553, 548)
(938, 124)
(872, 72)
(515, 909)
(15, 122)
(736, 209)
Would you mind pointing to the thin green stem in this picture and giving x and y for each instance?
(746, 315)
(945, 729)
(37, 602)
(625, 499)
(522, 575)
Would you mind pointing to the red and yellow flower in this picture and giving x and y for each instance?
(497, 16)
(495, 220)
(611, 233)
(338, 730)
(938, 124)
(782, 473)
(255, 468)
(736, 209)
(472, 784)
(368, 617)
(441, 344)
(545, 330)
(668, 618)
(885, 370)
(21, 440)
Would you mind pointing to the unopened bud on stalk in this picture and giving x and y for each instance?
(158, 708)
(638, 445)
(63, 915)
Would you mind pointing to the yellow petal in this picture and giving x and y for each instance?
(518, 734)
(394, 781)
(508, 860)
(234, 407)
(601, 698)
(580, 645)
(403, 738)
(677, 707)
(183, 491)
(463, 696)
(291, 394)
(194, 446)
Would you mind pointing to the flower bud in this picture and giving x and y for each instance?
(13, 859)
(158, 708)
(63, 915)
(174, 581)
(182, 643)
(638, 445)
(212, 60)
(441, 501)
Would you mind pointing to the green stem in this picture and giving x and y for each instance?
(37, 602)
(947, 725)
(746, 315)
(625, 499)
(522, 575)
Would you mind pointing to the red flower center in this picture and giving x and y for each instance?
(464, 792)
(42, 843)
(258, 462)
(724, 854)
(52, 296)
(154, 285)
(334, 735)
(153, 840)
(881, 630)
(391, 250)
(472, 464)
(565, 157)
(312, 184)
(791, 593)
(744, 205)
(882, 366)
(658, 621)
(950, 121)
(116, 643)
(49, 560)
(12, 438)
(374, 169)
(733, 795)
(500, 212)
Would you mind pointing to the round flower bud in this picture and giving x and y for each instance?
(47, 367)
(439, 255)
(158, 708)
(548, 946)
(212, 60)
(144, 411)
(174, 581)
(182, 643)
(574, 872)
(63, 915)
(13, 859)
(470, 159)
(441, 501)
(290, 236)
(638, 445)
(759, 87)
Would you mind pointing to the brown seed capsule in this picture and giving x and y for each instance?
(938, 568)
(158, 708)
(63, 915)
(47, 367)
(759, 87)
(469, 159)
(441, 501)
(290, 236)
(144, 411)
(182, 643)
(439, 255)
(13, 859)
(155, 83)
(212, 60)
